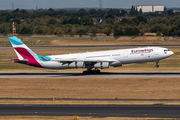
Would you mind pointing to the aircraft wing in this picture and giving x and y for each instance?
(64, 61)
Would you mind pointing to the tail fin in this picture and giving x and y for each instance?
(24, 53)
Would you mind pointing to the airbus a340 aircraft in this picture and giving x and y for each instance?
(90, 60)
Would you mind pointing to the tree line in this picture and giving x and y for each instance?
(80, 22)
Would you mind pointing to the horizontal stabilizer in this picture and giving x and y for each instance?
(24, 61)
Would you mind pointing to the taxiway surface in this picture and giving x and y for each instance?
(101, 75)
(162, 111)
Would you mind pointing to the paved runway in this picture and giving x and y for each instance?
(87, 47)
(161, 111)
(101, 75)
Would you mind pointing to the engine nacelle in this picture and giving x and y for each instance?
(102, 65)
(77, 65)
(116, 64)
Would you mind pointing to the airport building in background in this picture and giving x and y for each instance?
(150, 8)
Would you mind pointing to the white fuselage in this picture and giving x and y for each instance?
(113, 57)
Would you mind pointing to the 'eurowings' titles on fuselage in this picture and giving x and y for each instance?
(141, 51)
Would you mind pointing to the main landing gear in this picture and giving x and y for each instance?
(157, 64)
(89, 71)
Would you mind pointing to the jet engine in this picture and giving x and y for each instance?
(102, 65)
(77, 65)
(116, 64)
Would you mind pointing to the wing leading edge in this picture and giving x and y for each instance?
(85, 60)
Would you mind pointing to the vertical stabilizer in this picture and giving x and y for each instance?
(23, 52)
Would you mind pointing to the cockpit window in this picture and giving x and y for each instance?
(166, 50)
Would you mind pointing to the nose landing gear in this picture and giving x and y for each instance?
(157, 64)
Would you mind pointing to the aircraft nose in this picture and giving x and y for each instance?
(171, 52)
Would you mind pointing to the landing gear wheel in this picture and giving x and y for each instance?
(91, 72)
(157, 66)
(85, 72)
(98, 71)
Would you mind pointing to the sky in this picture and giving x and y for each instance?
(45, 4)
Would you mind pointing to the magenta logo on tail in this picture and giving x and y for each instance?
(26, 55)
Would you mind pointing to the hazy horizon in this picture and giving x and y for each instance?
(45, 4)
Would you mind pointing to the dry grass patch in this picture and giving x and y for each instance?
(141, 38)
(99, 88)
(119, 41)
(68, 41)
(86, 102)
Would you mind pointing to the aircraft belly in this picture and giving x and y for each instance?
(54, 65)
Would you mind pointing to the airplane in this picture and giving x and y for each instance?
(92, 61)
